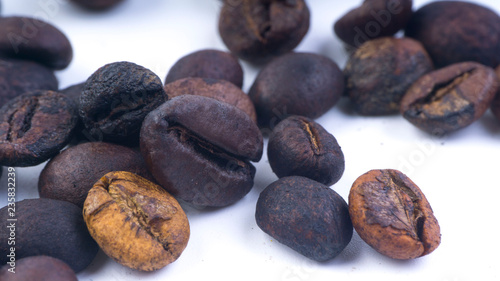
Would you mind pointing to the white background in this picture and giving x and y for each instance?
(458, 173)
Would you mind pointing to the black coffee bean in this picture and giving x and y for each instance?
(199, 149)
(306, 216)
(97, 5)
(34, 127)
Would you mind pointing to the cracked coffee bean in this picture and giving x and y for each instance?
(97, 5)
(49, 227)
(32, 39)
(298, 146)
(450, 98)
(71, 174)
(18, 77)
(373, 19)
(34, 127)
(379, 73)
(115, 100)
(303, 84)
(260, 30)
(306, 216)
(203, 153)
(136, 222)
(38, 268)
(391, 214)
(220, 90)
(207, 64)
(456, 31)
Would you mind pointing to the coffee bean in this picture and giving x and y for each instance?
(19, 76)
(36, 40)
(136, 222)
(373, 19)
(450, 98)
(72, 173)
(298, 146)
(39, 268)
(115, 100)
(306, 216)
(258, 31)
(203, 152)
(296, 84)
(380, 72)
(457, 31)
(391, 214)
(97, 5)
(48, 227)
(495, 104)
(220, 90)
(207, 64)
(34, 127)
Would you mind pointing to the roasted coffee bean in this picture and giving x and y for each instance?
(457, 31)
(450, 98)
(260, 30)
(34, 127)
(202, 152)
(207, 64)
(306, 216)
(36, 40)
(38, 268)
(391, 214)
(379, 73)
(136, 222)
(72, 173)
(296, 84)
(48, 227)
(19, 76)
(298, 146)
(373, 19)
(97, 5)
(495, 105)
(115, 100)
(221, 90)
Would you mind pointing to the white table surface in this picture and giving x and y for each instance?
(457, 172)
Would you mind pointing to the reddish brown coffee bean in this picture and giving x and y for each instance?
(306, 216)
(457, 31)
(207, 64)
(34, 127)
(391, 214)
(72, 173)
(260, 30)
(36, 40)
(220, 90)
(298, 146)
(38, 268)
(373, 19)
(379, 73)
(97, 5)
(450, 98)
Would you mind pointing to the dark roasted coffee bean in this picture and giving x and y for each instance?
(115, 100)
(296, 84)
(207, 64)
(457, 31)
(373, 19)
(49, 227)
(379, 73)
(19, 76)
(260, 30)
(450, 98)
(203, 151)
(306, 216)
(298, 146)
(72, 173)
(38, 268)
(36, 40)
(220, 90)
(97, 4)
(391, 214)
(34, 127)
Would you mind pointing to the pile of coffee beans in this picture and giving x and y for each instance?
(123, 148)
